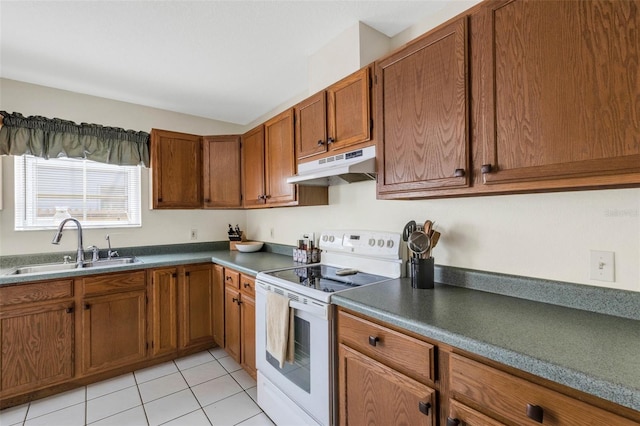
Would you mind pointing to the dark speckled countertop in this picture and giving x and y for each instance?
(248, 263)
(593, 352)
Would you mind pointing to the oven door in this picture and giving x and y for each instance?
(307, 381)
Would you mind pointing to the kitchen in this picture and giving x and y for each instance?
(547, 235)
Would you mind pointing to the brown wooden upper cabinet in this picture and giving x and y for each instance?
(221, 172)
(422, 111)
(192, 172)
(335, 118)
(556, 93)
(176, 163)
(268, 156)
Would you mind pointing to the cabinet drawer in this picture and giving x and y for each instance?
(461, 415)
(112, 283)
(38, 292)
(231, 278)
(247, 285)
(406, 354)
(510, 397)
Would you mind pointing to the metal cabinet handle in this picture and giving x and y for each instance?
(234, 300)
(229, 278)
(373, 341)
(247, 285)
(452, 422)
(486, 168)
(69, 310)
(207, 200)
(320, 143)
(424, 407)
(458, 173)
(87, 306)
(535, 412)
(330, 140)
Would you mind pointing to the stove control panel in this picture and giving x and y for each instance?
(364, 243)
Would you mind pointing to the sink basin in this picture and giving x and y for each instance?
(114, 261)
(42, 268)
(57, 267)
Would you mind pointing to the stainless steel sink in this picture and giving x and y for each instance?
(114, 261)
(42, 268)
(57, 267)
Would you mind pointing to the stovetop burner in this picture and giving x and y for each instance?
(325, 278)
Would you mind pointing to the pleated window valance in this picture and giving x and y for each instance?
(53, 138)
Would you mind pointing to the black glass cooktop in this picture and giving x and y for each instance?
(326, 278)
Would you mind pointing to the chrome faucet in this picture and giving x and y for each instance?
(58, 236)
(110, 253)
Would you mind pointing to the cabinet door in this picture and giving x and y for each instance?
(232, 322)
(422, 111)
(372, 393)
(218, 305)
(248, 331)
(253, 173)
(37, 347)
(349, 111)
(221, 172)
(311, 125)
(562, 88)
(279, 159)
(164, 311)
(113, 330)
(196, 303)
(176, 164)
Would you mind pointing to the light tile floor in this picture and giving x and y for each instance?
(201, 389)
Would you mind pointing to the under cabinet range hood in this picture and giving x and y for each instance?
(348, 167)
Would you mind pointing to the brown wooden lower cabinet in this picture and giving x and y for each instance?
(37, 347)
(461, 415)
(469, 390)
(372, 393)
(240, 319)
(60, 334)
(505, 396)
(218, 305)
(196, 305)
(163, 311)
(113, 321)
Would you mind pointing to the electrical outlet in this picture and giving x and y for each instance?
(602, 265)
(194, 234)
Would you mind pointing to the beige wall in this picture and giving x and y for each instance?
(158, 226)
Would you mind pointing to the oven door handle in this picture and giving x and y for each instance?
(317, 309)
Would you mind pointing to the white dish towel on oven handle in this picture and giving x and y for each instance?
(280, 329)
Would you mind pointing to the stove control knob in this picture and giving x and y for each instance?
(389, 243)
(372, 242)
(381, 243)
(325, 238)
(332, 238)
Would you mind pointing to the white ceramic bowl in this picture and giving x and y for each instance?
(249, 246)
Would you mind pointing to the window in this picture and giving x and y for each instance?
(98, 195)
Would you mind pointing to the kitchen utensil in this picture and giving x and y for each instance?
(435, 237)
(408, 229)
(418, 243)
(427, 227)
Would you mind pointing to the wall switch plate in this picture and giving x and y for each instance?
(602, 265)
(194, 234)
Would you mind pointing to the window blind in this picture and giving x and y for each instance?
(98, 195)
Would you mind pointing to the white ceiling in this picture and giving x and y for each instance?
(226, 60)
